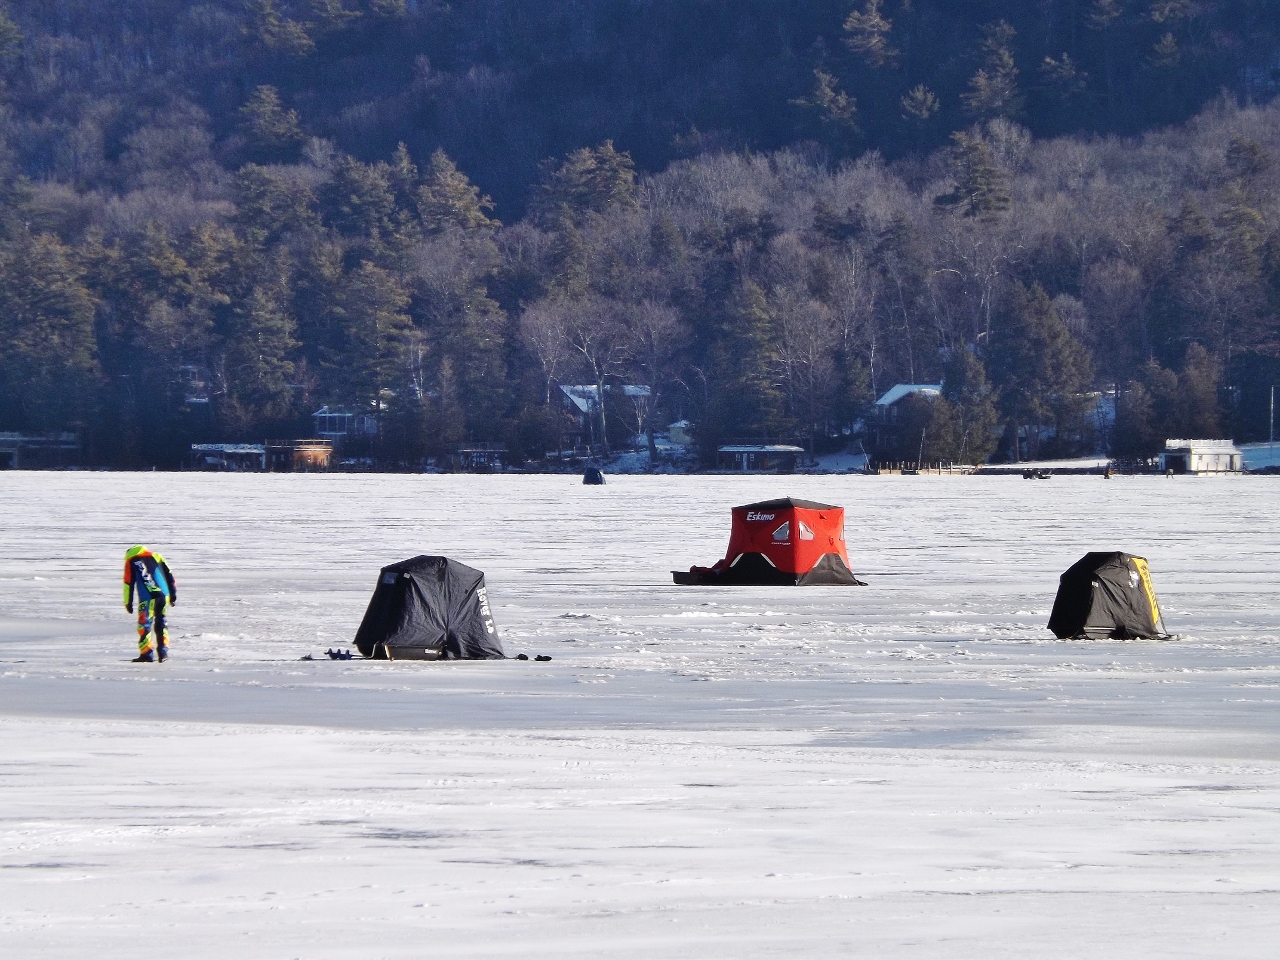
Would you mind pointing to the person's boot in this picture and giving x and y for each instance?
(163, 652)
(144, 658)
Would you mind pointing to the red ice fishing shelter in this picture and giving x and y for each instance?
(780, 542)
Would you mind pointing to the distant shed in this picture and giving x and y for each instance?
(1201, 457)
(20, 451)
(759, 457)
(681, 432)
(230, 456)
(479, 458)
(298, 456)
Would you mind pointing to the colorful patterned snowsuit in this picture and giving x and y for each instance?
(147, 573)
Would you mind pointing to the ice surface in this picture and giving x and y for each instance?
(909, 769)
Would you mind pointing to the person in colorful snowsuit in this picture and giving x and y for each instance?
(146, 572)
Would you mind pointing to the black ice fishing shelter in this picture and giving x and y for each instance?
(1107, 595)
(429, 608)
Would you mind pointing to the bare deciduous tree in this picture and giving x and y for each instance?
(544, 330)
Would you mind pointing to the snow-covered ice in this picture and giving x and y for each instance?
(910, 769)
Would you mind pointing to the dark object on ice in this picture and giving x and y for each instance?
(1107, 595)
(338, 654)
(592, 477)
(522, 656)
(783, 542)
(429, 608)
(1036, 474)
(542, 658)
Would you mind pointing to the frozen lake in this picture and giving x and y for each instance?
(915, 768)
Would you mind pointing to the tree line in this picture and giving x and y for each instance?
(189, 251)
(108, 93)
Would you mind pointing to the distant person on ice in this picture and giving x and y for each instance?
(147, 573)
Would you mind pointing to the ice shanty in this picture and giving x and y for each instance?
(429, 608)
(780, 543)
(1107, 595)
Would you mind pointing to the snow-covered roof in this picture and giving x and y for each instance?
(679, 425)
(327, 411)
(228, 448)
(1203, 446)
(583, 396)
(905, 390)
(760, 448)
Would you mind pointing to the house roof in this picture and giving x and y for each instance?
(228, 448)
(585, 397)
(760, 448)
(905, 390)
(327, 411)
(1203, 446)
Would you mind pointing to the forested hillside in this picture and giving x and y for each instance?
(215, 217)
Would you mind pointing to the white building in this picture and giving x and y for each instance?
(1201, 457)
(681, 433)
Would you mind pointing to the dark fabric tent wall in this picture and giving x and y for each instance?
(1107, 595)
(430, 608)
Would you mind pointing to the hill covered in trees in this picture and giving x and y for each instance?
(216, 217)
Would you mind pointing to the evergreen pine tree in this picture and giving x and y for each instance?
(832, 105)
(259, 359)
(276, 32)
(272, 203)
(1199, 412)
(590, 180)
(867, 35)
(1137, 432)
(359, 200)
(10, 41)
(973, 401)
(330, 16)
(370, 357)
(48, 355)
(272, 134)
(919, 104)
(981, 189)
(447, 198)
(993, 90)
(1042, 372)
(747, 399)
